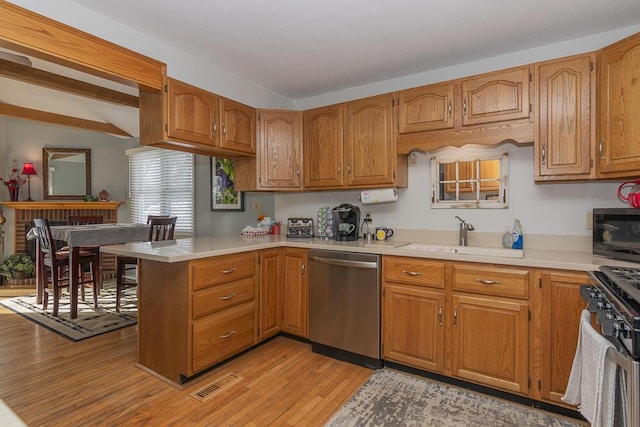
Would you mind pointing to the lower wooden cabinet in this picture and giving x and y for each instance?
(270, 301)
(295, 292)
(561, 307)
(491, 342)
(413, 328)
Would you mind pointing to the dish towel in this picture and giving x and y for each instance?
(593, 376)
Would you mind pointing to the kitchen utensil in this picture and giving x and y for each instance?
(633, 196)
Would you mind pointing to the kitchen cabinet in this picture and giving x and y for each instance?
(560, 309)
(618, 101)
(270, 304)
(483, 109)
(323, 147)
(295, 292)
(564, 147)
(413, 312)
(194, 314)
(187, 118)
(279, 157)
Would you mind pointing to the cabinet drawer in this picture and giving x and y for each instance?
(413, 271)
(508, 282)
(220, 297)
(212, 271)
(221, 335)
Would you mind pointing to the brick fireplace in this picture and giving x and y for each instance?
(57, 212)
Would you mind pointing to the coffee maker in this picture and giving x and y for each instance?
(346, 219)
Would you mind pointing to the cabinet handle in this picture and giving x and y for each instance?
(464, 106)
(229, 271)
(304, 269)
(227, 297)
(412, 273)
(487, 282)
(440, 315)
(224, 130)
(227, 335)
(349, 169)
(339, 169)
(297, 171)
(214, 127)
(601, 148)
(455, 317)
(544, 153)
(450, 109)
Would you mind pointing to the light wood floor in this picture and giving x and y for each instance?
(50, 381)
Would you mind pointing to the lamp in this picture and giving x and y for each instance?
(28, 170)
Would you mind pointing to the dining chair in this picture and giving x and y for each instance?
(57, 262)
(161, 227)
(87, 220)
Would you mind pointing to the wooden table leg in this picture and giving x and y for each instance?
(74, 254)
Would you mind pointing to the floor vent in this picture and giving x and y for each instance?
(219, 384)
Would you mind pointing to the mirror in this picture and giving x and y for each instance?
(470, 183)
(66, 173)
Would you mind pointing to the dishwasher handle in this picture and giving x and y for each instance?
(344, 263)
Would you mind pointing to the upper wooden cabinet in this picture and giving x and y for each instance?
(565, 119)
(370, 149)
(618, 134)
(323, 142)
(280, 150)
(187, 118)
(484, 109)
(352, 145)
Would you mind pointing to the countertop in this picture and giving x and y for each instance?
(203, 247)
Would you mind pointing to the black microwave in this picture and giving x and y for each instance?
(616, 233)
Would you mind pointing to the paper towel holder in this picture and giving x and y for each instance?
(384, 195)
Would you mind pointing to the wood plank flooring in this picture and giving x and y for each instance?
(50, 381)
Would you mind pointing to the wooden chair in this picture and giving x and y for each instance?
(160, 228)
(57, 262)
(86, 220)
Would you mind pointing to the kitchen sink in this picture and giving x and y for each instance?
(464, 250)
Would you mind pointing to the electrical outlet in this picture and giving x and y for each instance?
(589, 220)
(257, 206)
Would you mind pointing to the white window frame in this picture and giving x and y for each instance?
(162, 182)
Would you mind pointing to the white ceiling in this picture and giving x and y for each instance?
(302, 48)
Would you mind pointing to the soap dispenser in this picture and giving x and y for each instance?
(507, 238)
(517, 235)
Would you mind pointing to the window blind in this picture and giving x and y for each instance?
(161, 182)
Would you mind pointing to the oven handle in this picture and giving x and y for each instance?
(622, 358)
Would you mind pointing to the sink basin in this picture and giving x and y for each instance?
(464, 250)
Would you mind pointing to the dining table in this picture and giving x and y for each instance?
(77, 236)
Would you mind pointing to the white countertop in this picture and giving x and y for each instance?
(203, 247)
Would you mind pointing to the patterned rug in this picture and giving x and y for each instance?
(91, 321)
(391, 398)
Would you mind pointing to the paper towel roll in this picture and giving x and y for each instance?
(384, 195)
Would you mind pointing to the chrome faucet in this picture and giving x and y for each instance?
(464, 227)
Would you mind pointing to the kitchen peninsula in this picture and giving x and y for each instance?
(202, 300)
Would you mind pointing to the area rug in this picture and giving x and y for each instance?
(391, 398)
(91, 321)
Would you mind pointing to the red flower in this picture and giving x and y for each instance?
(14, 180)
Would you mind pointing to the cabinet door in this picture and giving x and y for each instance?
(295, 293)
(370, 149)
(238, 121)
(192, 113)
(270, 276)
(565, 118)
(495, 97)
(619, 108)
(323, 142)
(280, 153)
(412, 322)
(426, 108)
(491, 342)
(560, 313)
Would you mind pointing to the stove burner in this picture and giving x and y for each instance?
(627, 279)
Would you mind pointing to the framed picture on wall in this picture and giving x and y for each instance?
(223, 196)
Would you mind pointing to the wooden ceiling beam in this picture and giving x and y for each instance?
(49, 80)
(59, 119)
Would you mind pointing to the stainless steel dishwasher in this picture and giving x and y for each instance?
(344, 306)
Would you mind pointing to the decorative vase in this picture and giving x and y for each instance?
(13, 193)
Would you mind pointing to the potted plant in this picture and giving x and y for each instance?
(17, 266)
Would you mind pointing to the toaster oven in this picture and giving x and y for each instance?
(299, 227)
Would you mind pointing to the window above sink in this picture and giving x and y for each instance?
(475, 182)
